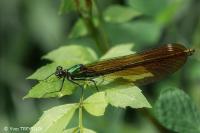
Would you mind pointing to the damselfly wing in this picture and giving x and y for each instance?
(141, 68)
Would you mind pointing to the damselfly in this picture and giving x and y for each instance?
(152, 65)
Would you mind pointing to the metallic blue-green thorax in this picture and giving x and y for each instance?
(75, 69)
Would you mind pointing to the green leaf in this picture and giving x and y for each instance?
(176, 111)
(139, 32)
(82, 6)
(55, 119)
(119, 50)
(149, 7)
(67, 5)
(171, 10)
(126, 95)
(45, 89)
(44, 71)
(96, 104)
(79, 29)
(163, 10)
(76, 130)
(72, 54)
(72, 130)
(85, 130)
(120, 14)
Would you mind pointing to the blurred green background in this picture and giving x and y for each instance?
(29, 29)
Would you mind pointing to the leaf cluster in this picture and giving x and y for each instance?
(117, 94)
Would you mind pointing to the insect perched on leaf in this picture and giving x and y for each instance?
(141, 68)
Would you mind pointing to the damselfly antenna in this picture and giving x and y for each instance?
(48, 77)
(59, 73)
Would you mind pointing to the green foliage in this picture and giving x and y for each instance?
(72, 54)
(78, 29)
(117, 94)
(120, 14)
(55, 119)
(30, 28)
(76, 130)
(128, 95)
(119, 50)
(67, 5)
(96, 104)
(43, 71)
(176, 111)
(50, 88)
(139, 32)
(162, 11)
(114, 24)
(66, 57)
(150, 7)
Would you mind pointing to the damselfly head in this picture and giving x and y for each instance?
(60, 72)
(190, 52)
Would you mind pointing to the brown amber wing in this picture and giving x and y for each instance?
(151, 71)
(141, 68)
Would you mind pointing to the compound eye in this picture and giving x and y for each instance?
(58, 74)
(59, 68)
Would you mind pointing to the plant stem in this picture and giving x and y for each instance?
(81, 112)
(97, 33)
